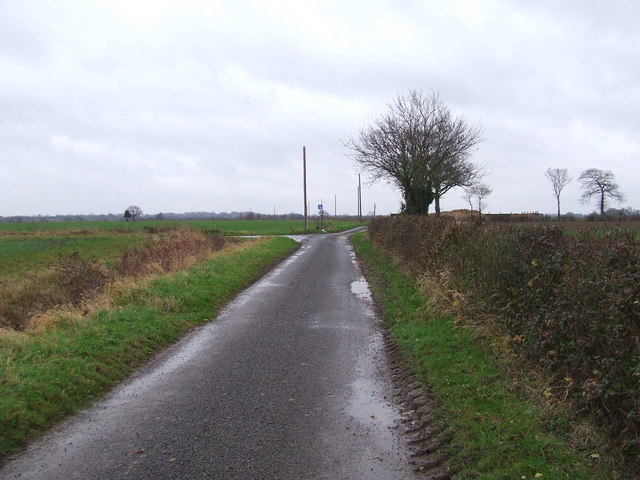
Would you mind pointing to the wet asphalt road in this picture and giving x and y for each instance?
(290, 381)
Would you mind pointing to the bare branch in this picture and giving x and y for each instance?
(419, 147)
(478, 191)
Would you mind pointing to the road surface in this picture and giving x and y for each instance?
(290, 381)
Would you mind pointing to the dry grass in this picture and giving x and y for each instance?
(533, 385)
(74, 288)
(462, 214)
(126, 285)
(440, 292)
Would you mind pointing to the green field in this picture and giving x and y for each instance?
(32, 247)
(20, 254)
(228, 227)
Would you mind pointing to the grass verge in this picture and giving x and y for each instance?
(46, 376)
(497, 431)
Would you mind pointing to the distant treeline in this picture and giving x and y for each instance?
(610, 214)
(114, 217)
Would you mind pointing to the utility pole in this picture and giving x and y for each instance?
(359, 199)
(304, 170)
(335, 206)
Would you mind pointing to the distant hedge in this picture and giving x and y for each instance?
(570, 304)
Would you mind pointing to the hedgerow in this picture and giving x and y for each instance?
(570, 304)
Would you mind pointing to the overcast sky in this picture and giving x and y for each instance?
(190, 105)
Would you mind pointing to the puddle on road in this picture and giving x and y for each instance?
(368, 406)
(377, 418)
(297, 238)
(360, 288)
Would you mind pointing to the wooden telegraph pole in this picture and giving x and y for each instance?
(304, 170)
(359, 199)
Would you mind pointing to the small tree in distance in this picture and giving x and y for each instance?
(478, 191)
(600, 184)
(468, 196)
(132, 213)
(559, 178)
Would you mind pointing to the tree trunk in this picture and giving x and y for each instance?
(558, 208)
(417, 200)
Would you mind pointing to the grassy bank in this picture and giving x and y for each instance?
(41, 278)
(51, 374)
(500, 427)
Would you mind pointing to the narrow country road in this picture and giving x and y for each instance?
(290, 381)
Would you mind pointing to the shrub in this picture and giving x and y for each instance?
(76, 278)
(169, 252)
(71, 280)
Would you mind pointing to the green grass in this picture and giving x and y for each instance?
(498, 432)
(32, 253)
(32, 247)
(228, 227)
(46, 376)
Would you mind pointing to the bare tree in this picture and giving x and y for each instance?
(559, 178)
(479, 192)
(418, 146)
(134, 213)
(600, 184)
(482, 192)
(454, 172)
(469, 196)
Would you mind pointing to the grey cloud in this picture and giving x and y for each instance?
(205, 106)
